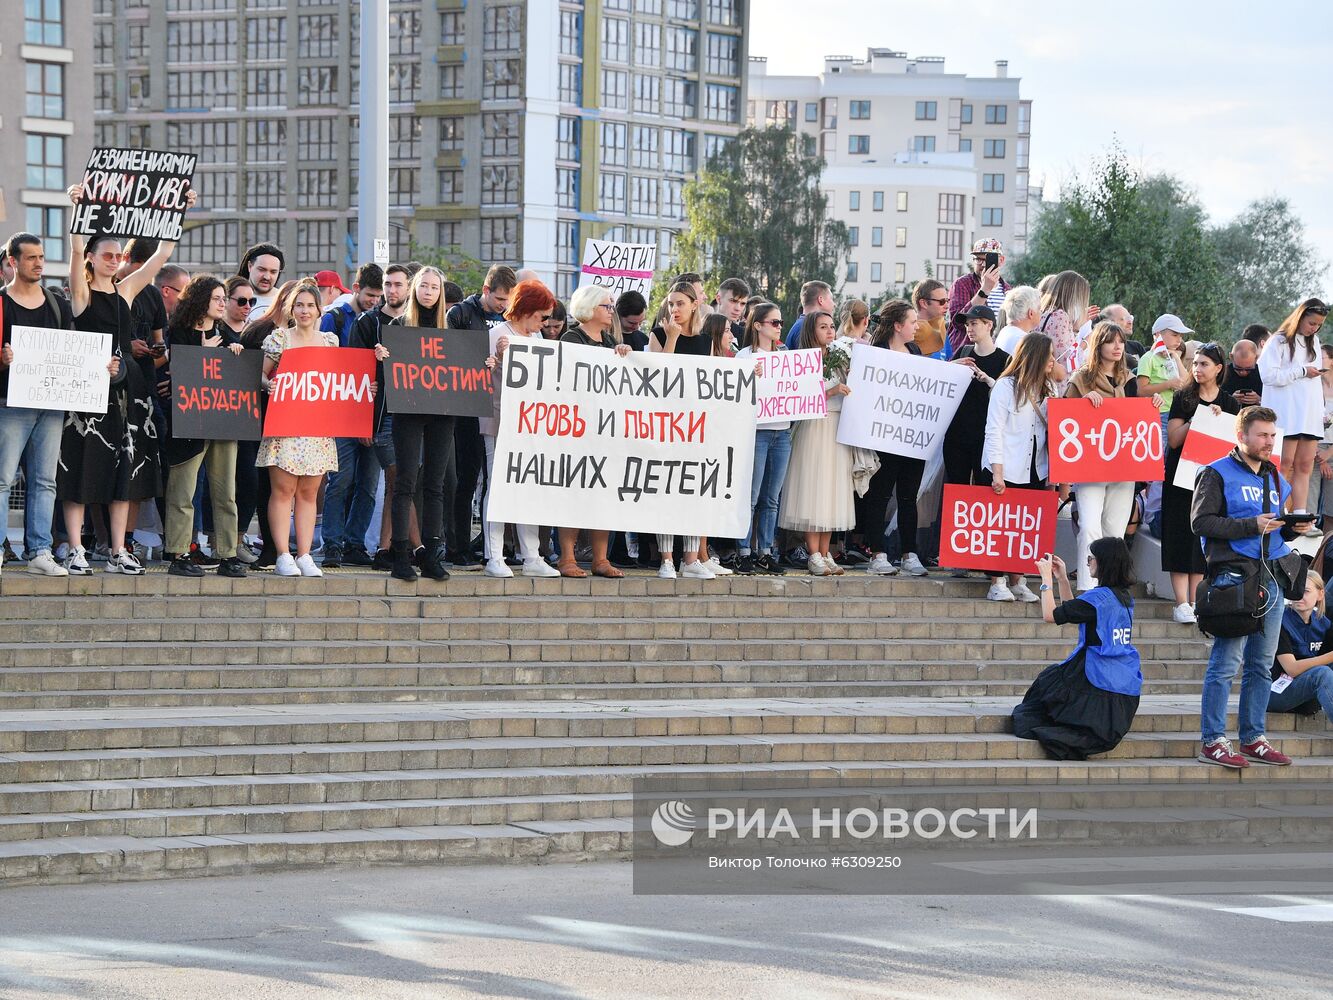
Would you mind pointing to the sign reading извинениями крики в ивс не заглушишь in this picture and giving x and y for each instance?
(134, 192)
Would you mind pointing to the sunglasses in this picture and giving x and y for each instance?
(1213, 350)
(769, 322)
(939, 302)
(109, 256)
(242, 301)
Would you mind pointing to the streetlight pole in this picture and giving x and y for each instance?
(372, 232)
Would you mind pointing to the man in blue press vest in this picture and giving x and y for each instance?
(1237, 515)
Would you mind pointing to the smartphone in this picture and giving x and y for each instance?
(992, 260)
(1301, 518)
(158, 350)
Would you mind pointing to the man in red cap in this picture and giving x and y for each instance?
(330, 287)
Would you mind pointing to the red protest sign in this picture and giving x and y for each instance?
(1000, 533)
(1118, 442)
(322, 392)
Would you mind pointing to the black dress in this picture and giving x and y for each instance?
(112, 456)
(1181, 551)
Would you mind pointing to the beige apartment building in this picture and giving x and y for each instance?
(46, 119)
(920, 162)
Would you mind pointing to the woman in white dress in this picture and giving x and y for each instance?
(1290, 366)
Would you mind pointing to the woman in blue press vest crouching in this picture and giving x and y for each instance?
(1086, 704)
(1302, 677)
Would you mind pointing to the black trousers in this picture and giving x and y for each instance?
(962, 463)
(423, 444)
(469, 461)
(897, 476)
(247, 487)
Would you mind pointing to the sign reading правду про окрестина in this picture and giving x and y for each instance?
(134, 192)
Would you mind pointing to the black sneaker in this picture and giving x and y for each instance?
(232, 567)
(744, 566)
(268, 558)
(199, 558)
(767, 564)
(354, 556)
(333, 557)
(183, 565)
(382, 561)
(732, 561)
(8, 553)
(856, 553)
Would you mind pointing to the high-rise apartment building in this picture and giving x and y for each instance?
(921, 163)
(46, 118)
(516, 128)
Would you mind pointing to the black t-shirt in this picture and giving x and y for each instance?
(699, 344)
(149, 313)
(1184, 409)
(637, 340)
(969, 422)
(1249, 382)
(41, 317)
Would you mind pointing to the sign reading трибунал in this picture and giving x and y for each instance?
(134, 192)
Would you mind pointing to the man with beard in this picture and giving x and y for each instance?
(262, 265)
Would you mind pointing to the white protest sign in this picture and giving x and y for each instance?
(900, 404)
(790, 386)
(621, 267)
(1211, 436)
(59, 370)
(652, 442)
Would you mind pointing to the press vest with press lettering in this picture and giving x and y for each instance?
(1112, 664)
(1244, 492)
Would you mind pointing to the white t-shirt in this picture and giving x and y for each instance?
(1008, 338)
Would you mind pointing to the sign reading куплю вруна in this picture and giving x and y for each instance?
(134, 192)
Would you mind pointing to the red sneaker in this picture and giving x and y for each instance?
(1264, 752)
(1219, 751)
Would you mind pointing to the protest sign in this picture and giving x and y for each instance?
(998, 533)
(1118, 442)
(621, 267)
(437, 371)
(1211, 436)
(134, 192)
(215, 394)
(322, 392)
(900, 404)
(650, 442)
(790, 385)
(59, 369)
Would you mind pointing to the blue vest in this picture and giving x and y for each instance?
(1244, 492)
(1306, 639)
(1112, 664)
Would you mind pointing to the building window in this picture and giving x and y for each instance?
(136, 42)
(723, 55)
(965, 114)
(615, 39)
(499, 184)
(949, 244)
(948, 273)
(854, 201)
(48, 223)
(876, 272)
(211, 141)
(611, 193)
(858, 144)
(404, 187)
(201, 89)
(647, 93)
(571, 83)
(615, 89)
(992, 217)
(643, 195)
(726, 12)
(104, 43)
(499, 240)
(314, 138)
(499, 134)
(265, 88)
(993, 149)
(201, 41)
(266, 141)
(683, 10)
(265, 38)
(682, 49)
(568, 137)
(453, 28)
(448, 235)
(858, 110)
(567, 243)
(722, 103)
(673, 207)
(571, 32)
(964, 145)
(853, 272)
(613, 144)
(265, 189)
(451, 81)
(997, 114)
(900, 236)
(502, 29)
(317, 36)
(877, 236)
(315, 238)
(680, 149)
(567, 187)
(681, 98)
(209, 244)
(405, 33)
(451, 187)
(404, 82)
(46, 162)
(404, 137)
(992, 183)
(902, 201)
(501, 78)
(900, 273)
(646, 146)
(923, 143)
(316, 188)
(853, 236)
(877, 201)
(812, 112)
(715, 145)
(951, 209)
(46, 90)
(43, 22)
(647, 44)
(780, 112)
(317, 85)
(926, 110)
(451, 134)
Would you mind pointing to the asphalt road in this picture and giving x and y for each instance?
(557, 932)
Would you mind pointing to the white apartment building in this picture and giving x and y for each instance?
(920, 162)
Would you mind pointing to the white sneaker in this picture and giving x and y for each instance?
(538, 567)
(1000, 592)
(496, 568)
(667, 571)
(286, 565)
(911, 565)
(716, 568)
(306, 564)
(697, 570)
(1183, 614)
(816, 565)
(76, 562)
(1022, 593)
(880, 566)
(124, 562)
(44, 564)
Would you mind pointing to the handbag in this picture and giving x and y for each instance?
(1229, 602)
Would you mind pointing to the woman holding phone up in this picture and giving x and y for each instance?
(1290, 365)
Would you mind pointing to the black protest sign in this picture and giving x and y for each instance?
(434, 371)
(215, 394)
(134, 192)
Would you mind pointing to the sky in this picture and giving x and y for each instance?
(1233, 101)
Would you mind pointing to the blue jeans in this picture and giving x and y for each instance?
(1317, 682)
(772, 449)
(349, 500)
(38, 431)
(1254, 654)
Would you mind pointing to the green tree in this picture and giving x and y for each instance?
(457, 266)
(757, 211)
(1267, 263)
